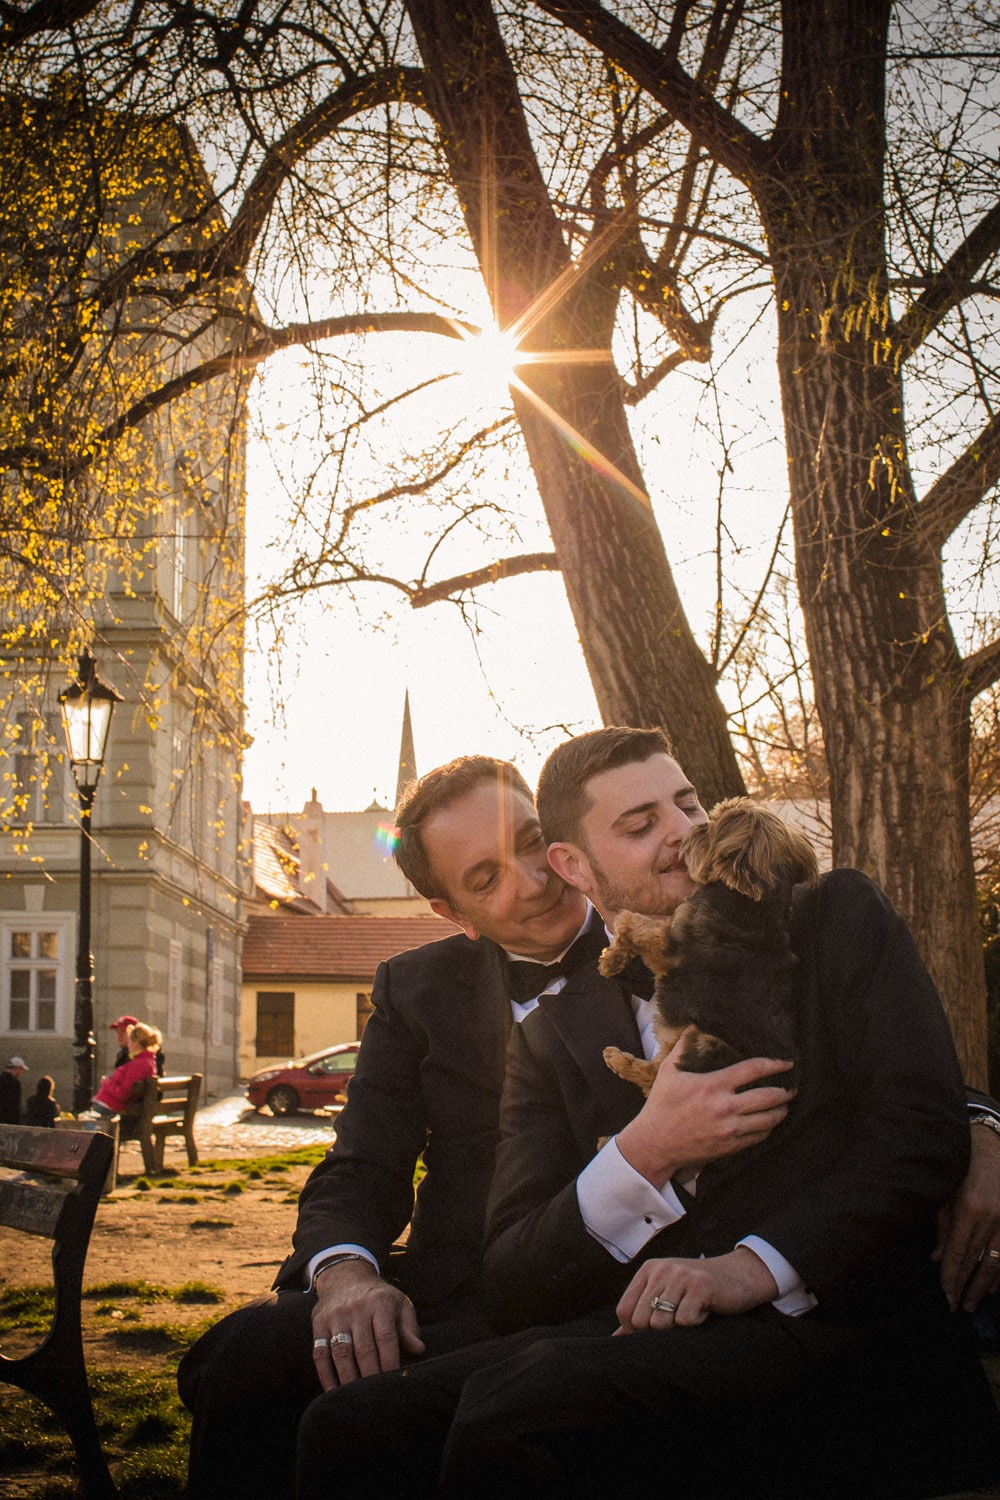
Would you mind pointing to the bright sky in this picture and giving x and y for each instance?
(325, 709)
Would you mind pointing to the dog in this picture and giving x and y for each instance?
(723, 962)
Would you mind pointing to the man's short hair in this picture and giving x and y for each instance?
(439, 789)
(562, 800)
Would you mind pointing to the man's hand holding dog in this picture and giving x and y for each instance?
(680, 1293)
(691, 1118)
(352, 1298)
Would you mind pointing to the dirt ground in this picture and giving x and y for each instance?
(214, 1224)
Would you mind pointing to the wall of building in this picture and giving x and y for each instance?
(325, 1014)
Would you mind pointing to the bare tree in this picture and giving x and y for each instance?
(345, 147)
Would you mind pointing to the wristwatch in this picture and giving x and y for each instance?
(990, 1121)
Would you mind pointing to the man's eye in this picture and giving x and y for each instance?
(484, 884)
(639, 829)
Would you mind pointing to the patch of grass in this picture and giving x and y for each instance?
(232, 1188)
(285, 1161)
(179, 1198)
(255, 1174)
(122, 1290)
(143, 1426)
(142, 1184)
(197, 1291)
(28, 1309)
(212, 1224)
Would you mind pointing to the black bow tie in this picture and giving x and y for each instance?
(528, 979)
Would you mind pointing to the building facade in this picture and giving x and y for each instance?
(159, 605)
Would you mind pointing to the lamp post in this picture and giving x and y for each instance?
(86, 707)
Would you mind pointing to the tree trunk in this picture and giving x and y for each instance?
(643, 661)
(889, 682)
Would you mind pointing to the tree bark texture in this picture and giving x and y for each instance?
(643, 661)
(890, 687)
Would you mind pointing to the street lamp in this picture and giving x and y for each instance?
(86, 707)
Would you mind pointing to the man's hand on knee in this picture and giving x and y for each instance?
(969, 1228)
(360, 1324)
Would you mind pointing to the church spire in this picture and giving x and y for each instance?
(407, 755)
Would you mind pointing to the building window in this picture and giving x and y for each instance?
(364, 1008)
(35, 980)
(40, 770)
(275, 1023)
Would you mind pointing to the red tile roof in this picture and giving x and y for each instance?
(332, 948)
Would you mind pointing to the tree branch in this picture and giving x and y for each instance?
(961, 488)
(714, 128)
(951, 284)
(982, 668)
(246, 357)
(506, 567)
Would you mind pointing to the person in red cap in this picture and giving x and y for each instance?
(122, 1027)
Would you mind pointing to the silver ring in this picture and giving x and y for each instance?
(660, 1304)
(341, 1338)
(321, 1343)
(993, 1254)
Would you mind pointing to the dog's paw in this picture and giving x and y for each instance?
(633, 1069)
(612, 960)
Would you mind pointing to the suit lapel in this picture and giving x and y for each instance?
(589, 1014)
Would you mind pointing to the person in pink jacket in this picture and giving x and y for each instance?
(122, 1086)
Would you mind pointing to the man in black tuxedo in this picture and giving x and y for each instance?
(783, 1330)
(429, 1078)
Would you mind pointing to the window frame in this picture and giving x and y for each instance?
(64, 925)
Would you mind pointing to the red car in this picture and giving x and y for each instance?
(313, 1082)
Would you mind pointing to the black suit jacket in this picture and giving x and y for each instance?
(846, 1189)
(429, 1076)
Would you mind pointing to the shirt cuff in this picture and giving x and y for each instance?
(619, 1207)
(792, 1298)
(338, 1250)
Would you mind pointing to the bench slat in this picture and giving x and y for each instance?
(33, 1207)
(57, 1152)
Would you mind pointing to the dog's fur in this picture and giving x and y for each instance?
(723, 961)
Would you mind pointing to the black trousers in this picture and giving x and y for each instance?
(750, 1406)
(249, 1379)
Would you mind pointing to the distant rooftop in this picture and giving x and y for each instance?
(332, 948)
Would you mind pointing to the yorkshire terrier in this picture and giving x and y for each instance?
(723, 962)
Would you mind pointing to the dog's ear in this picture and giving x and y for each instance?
(801, 864)
(751, 850)
(696, 852)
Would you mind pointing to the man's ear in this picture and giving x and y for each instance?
(442, 909)
(570, 862)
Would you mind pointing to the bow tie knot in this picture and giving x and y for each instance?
(527, 979)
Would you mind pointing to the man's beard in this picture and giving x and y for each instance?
(645, 894)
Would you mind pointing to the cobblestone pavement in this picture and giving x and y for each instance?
(230, 1126)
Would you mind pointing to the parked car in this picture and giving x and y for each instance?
(312, 1082)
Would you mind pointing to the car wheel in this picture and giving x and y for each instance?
(283, 1100)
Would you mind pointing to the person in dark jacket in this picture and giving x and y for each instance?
(10, 1091)
(41, 1108)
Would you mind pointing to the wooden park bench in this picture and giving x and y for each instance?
(50, 1185)
(165, 1107)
